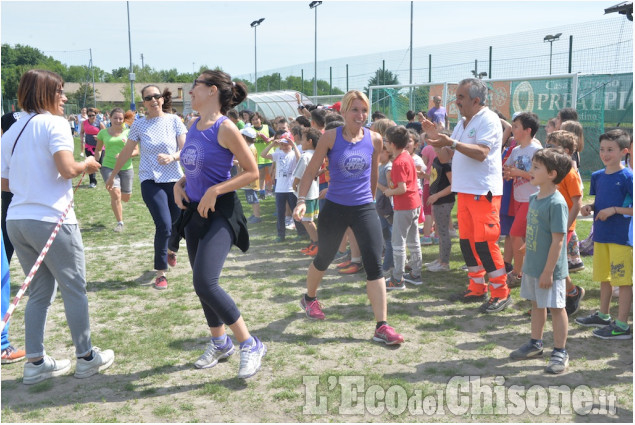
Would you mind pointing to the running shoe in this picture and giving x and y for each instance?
(213, 353)
(313, 309)
(387, 335)
(161, 283)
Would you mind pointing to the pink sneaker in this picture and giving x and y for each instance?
(161, 283)
(387, 335)
(313, 309)
(172, 259)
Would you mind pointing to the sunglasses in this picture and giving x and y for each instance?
(152, 96)
(207, 83)
(91, 115)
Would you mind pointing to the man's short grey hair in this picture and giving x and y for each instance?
(477, 88)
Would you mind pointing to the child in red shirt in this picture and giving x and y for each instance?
(407, 204)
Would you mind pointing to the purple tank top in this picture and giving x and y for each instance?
(349, 167)
(204, 161)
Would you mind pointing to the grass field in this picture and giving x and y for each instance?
(310, 368)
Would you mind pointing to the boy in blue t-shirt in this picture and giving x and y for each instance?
(612, 236)
(545, 268)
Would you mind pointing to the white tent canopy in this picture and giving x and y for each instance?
(274, 103)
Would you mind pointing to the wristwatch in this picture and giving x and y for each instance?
(454, 143)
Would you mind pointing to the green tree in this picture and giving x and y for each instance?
(381, 98)
(83, 97)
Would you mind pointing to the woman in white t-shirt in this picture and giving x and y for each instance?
(39, 148)
(160, 136)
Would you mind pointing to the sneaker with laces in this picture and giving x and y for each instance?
(253, 219)
(411, 278)
(426, 240)
(213, 353)
(575, 267)
(341, 257)
(573, 302)
(495, 304)
(49, 368)
(558, 362)
(613, 331)
(352, 268)
(343, 264)
(526, 351)
(311, 250)
(438, 267)
(172, 259)
(101, 361)
(593, 320)
(251, 358)
(11, 355)
(118, 228)
(387, 335)
(313, 309)
(161, 283)
(392, 283)
(469, 297)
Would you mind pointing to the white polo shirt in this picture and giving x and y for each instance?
(472, 176)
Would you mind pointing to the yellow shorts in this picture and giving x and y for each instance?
(613, 263)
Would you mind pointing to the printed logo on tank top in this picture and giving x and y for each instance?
(192, 158)
(353, 163)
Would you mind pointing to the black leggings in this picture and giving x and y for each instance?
(363, 219)
(207, 256)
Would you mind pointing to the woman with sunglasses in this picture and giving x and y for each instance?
(217, 219)
(160, 136)
(90, 129)
(39, 148)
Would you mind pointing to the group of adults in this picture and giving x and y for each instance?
(185, 175)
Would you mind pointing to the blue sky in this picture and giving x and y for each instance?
(188, 34)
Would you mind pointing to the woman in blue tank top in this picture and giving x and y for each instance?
(353, 153)
(214, 219)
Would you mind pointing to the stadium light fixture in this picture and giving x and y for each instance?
(254, 25)
(550, 39)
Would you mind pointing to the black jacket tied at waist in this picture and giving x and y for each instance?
(227, 206)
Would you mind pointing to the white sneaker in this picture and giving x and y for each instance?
(118, 228)
(101, 361)
(438, 267)
(51, 367)
(432, 263)
(250, 359)
(214, 353)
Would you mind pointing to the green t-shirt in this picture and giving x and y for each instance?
(114, 145)
(240, 124)
(544, 217)
(261, 144)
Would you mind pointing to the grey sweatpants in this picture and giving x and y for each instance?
(63, 263)
(405, 233)
(442, 216)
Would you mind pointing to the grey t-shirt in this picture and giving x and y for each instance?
(544, 217)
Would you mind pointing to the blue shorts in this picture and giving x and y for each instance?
(251, 196)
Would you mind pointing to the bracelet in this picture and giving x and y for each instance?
(301, 201)
(301, 198)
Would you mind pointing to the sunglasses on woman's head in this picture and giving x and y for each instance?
(207, 83)
(152, 96)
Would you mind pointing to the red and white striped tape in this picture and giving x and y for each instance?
(38, 262)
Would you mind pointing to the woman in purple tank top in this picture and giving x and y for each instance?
(353, 153)
(214, 219)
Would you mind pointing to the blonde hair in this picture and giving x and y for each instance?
(575, 128)
(380, 126)
(348, 98)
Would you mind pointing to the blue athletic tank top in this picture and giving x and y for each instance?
(349, 167)
(204, 161)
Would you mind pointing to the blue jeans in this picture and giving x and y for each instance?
(159, 198)
(386, 230)
(282, 199)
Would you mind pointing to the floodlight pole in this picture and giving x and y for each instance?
(313, 5)
(131, 75)
(550, 39)
(255, 24)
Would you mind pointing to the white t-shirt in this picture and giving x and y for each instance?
(472, 176)
(419, 165)
(521, 159)
(314, 189)
(285, 164)
(158, 135)
(39, 191)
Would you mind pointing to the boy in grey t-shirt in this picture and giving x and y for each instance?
(545, 268)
